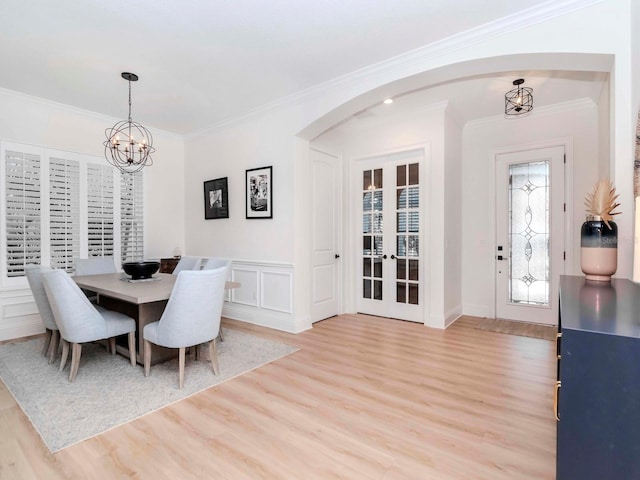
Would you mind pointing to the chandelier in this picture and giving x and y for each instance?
(519, 100)
(129, 145)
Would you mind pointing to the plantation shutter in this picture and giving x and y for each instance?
(64, 212)
(22, 171)
(100, 210)
(131, 217)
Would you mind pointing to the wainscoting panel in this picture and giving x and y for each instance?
(265, 296)
(19, 315)
(277, 291)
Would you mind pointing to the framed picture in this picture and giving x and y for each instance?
(216, 199)
(259, 193)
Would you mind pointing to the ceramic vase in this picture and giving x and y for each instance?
(598, 249)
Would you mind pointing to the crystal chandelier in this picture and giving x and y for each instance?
(129, 145)
(519, 100)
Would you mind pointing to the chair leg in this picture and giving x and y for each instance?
(221, 334)
(53, 346)
(112, 345)
(76, 353)
(147, 358)
(181, 357)
(47, 341)
(132, 348)
(197, 352)
(213, 355)
(65, 354)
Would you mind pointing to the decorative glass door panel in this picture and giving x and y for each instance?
(391, 263)
(529, 233)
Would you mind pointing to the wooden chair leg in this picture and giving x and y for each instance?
(112, 345)
(197, 352)
(47, 342)
(76, 353)
(213, 355)
(132, 348)
(221, 334)
(181, 357)
(147, 358)
(53, 347)
(65, 354)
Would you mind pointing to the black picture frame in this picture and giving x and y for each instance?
(259, 192)
(216, 199)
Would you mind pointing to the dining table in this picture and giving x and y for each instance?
(143, 300)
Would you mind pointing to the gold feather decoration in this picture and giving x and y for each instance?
(602, 201)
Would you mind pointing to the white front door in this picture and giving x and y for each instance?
(391, 252)
(325, 257)
(529, 233)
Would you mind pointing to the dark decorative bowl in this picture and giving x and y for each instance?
(140, 270)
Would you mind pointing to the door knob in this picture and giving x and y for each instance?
(384, 257)
(337, 256)
(393, 256)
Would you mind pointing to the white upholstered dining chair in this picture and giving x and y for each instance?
(80, 321)
(191, 317)
(52, 336)
(94, 265)
(212, 263)
(187, 263)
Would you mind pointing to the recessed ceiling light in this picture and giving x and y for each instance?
(388, 101)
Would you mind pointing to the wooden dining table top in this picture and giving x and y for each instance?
(120, 286)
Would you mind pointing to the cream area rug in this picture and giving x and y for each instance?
(108, 391)
(524, 329)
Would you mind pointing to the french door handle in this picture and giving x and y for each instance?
(384, 257)
(393, 256)
(337, 256)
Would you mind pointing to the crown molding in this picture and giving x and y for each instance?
(556, 108)
(411, 62)
(78, 111)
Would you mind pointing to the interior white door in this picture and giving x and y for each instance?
(325, 257)
(391, 267)
(530, 234)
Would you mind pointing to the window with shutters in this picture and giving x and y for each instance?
(100, 210)
(55, 206)
(131, 217)
(64, 212)
(22, 206)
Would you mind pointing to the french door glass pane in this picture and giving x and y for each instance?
(529, 233)
(408, 222)
(372, 230)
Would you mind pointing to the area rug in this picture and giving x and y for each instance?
(524, 329)
(108, 391)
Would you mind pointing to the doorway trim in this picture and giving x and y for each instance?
(567, 143)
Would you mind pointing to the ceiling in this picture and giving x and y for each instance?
(204, 62)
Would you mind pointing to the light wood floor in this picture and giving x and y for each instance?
(364, 398)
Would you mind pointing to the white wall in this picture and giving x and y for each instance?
(34, 121)
(452, 252)
(577, 122)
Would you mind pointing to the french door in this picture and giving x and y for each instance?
(391, 252)
(530, 234)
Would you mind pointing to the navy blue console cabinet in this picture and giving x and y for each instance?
(598, 385)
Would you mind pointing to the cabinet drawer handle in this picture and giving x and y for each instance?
(555, 399)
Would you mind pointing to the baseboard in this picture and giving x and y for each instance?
(261, 317)
(452, 315)
(481, 311)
